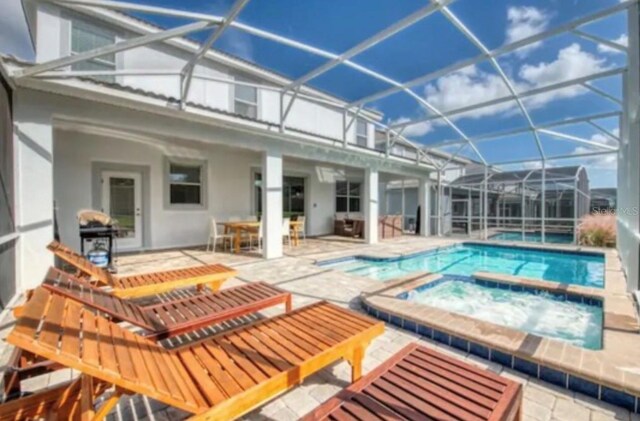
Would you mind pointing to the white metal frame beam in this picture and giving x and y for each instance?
(186, 74)
(114, 48)
(524, 94)
(499, 51)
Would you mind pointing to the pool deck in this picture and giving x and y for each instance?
(298, 273)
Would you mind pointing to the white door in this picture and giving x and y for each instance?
(122, 200)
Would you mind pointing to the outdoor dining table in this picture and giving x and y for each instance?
(238, 227)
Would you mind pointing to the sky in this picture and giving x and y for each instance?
(426, 46)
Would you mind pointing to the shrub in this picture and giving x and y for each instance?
(598, 230)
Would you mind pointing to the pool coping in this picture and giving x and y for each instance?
(587, 371)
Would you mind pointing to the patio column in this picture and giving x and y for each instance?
(371, 205)
(34, 212)
(424, 196)
(272, 203)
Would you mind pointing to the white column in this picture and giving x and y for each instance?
(424, 196)
(272, 203)
(33, 140)
(371, 205)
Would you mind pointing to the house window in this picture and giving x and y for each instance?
(245, 100)
(86, 37)
(361, 132)
(347, 196)
(185, 184)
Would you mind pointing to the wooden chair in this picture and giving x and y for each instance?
(166, 318)
(215, 236)
(286, 230)
(63, 402)
(221, 377)
(161, 318)
(302, 229)
(419, 383)
(147, 283)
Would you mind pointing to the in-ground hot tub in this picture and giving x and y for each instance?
(571, 318)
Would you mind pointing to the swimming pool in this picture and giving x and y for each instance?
(570, 318)
(585, 269)
(533, 237)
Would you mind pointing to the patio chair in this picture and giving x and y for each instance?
(257, 236)
(214, 237)
(164, 318)
(160, 318)
(420, 383)
(286, 230)
(145, 284)
(302, 228)
(220, 377)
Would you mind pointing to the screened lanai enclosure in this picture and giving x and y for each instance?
(538, 205)
(561, 96)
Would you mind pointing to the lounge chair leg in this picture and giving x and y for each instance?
(355, 359)
(108, 405)
(287, 304)
(214, 286)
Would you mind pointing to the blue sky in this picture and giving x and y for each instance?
(434, 43)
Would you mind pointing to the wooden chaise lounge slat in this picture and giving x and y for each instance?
(61, 402)
(419, 383)
(147, 283)
(221, 377)
(170, 318)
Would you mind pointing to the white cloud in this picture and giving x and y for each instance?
(523, 22)
(14, 35)
(415, 130)
(623, 39)
(607, 162)
(572, 62)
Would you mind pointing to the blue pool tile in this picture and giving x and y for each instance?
(410, 325)
(492, 284)
(553, 376)
(479, 350)
(525, 366)
(481, 282)
(516, 288)
(583, 386)
(616, 397)
(383, 316)
(441, 336)
(574, 298)
(460, 343)
(395, 320)
(425, 331)
(501, 358)
(530, 290)
(503, 286)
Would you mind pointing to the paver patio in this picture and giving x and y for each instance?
(297, 272)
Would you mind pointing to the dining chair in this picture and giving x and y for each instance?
(301, 228)
(286, 230)
(257, 235)
(214, 236)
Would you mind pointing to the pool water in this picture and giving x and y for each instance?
(466, 259)
(533, 237)
(539, 313)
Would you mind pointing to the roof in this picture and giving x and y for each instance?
(551, 174)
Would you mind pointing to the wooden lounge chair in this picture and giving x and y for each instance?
(63, 402)
(221, 377)
(420, 383)
(147, 283)
(168, 318)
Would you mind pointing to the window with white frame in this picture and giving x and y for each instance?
(245, 101)
(347, 196)
(361, 132)
(86, 37)
(185, 184)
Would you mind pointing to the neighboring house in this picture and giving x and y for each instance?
(107, 138)
(604, 199)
